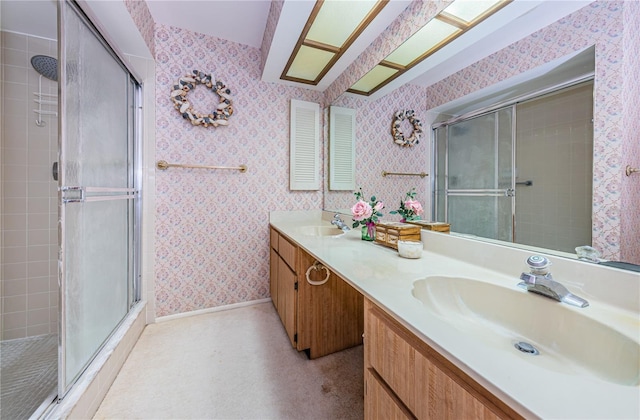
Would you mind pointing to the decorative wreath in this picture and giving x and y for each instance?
(218, 116)
(396, 132)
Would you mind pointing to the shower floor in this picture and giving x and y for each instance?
(29, 374)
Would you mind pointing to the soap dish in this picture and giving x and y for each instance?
(410, 249)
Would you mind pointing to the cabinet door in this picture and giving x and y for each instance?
(273, 276)
(330, 316)
(287, 299)
(426, 382)
(380, 402)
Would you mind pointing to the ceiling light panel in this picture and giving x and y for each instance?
(470, 10)
(431, 35)
(337, 20)
(453, 21)
(373, 78)
(309, 62)
(331, 29)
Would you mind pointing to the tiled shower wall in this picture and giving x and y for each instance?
(29, 204)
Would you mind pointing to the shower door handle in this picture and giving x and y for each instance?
(54, 171)
(77, 194)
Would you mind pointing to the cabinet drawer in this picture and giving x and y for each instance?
(273, 236)
(380, 402)
(287, 251)
(426, 382)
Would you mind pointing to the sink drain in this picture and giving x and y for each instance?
(526, 348)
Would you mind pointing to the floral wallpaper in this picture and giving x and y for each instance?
(270, 29)
(600, 23)
(630, 217)
(377, 152)
(212, 226)
(141, 15)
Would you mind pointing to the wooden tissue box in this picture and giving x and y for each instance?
(389, 233)
(433, 226)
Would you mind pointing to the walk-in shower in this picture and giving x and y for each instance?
(70, 246)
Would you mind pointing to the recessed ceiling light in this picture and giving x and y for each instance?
(330, 30)
(453, 21)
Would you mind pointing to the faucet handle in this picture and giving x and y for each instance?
(538, 264)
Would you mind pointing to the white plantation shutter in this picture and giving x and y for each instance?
(342, 149)
(305, 146)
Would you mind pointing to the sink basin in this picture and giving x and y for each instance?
(320, 231)
(567, 340)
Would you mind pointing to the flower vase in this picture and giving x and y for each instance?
(369, 232)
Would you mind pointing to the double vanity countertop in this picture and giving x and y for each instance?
(579, 373)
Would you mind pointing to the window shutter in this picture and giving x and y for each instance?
(305, 146)
(342, 149)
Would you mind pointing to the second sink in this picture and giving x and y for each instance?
(320, 231)
(568, 340)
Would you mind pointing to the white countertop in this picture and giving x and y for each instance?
(525, 384)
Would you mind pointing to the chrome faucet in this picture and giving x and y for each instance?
(539, 280)
(339, 223)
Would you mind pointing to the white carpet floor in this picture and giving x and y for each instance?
(235, 364)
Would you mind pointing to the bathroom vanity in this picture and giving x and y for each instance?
(441, 332)
(321, 312)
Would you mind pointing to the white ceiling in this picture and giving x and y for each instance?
(241, 21)
(244, 21)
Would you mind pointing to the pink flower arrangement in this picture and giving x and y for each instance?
(410, 208)
(366, 213)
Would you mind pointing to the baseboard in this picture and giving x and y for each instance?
(210, 310)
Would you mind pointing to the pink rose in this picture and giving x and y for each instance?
(361, 210)
(414, 206)
(379, 206)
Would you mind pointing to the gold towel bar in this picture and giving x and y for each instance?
(629, 170)
(421, 174)
(163, 165)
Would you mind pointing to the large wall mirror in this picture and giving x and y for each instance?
(582, 54)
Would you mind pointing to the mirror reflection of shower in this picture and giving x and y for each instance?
(47, 67)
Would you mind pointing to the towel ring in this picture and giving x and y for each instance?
(317, 266)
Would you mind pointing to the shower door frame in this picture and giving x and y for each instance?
(494, 192)
(135, 133)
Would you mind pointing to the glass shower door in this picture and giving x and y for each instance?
(97, 194)
(476, 193)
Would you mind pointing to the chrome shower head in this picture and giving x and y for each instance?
(46, 66)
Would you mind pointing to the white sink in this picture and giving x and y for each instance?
(320, 231)
(568, 341)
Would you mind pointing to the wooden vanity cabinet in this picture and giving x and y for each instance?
(321, 319)
(330, 316)
(406, 378)
(284, 282)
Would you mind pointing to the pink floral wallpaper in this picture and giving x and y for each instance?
(212, 226)
(270, 29)
(377, 152)
(599, 24)
(630, 217)
(141, 15)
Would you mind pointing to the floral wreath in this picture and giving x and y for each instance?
(396, 132)
(218, 116)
